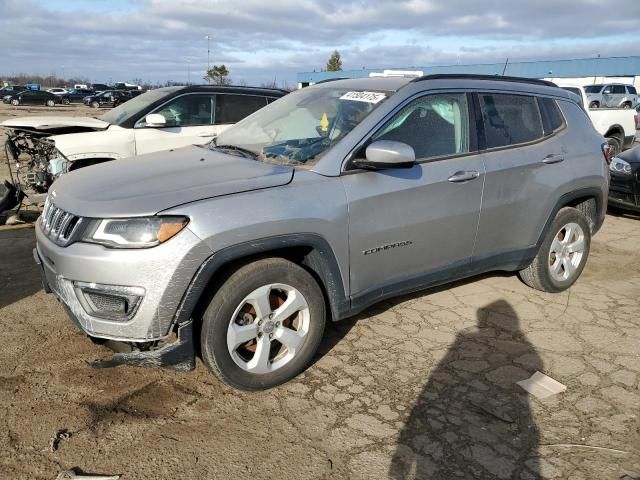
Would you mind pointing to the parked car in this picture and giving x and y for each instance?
(616, 125)
(624, 187)
(100, 87)
(33, 97)
(160, 119)
(57, 90)
(323, 203)
(109, 98)
(611, 95)
(11, 90)
(76, 95)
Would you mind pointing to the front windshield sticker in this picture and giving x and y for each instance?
(367, 97)
(324, 122)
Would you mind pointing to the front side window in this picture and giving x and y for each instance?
(189, 110)
(509, 119)
(233, 108)
(299, 128)
(434, 126)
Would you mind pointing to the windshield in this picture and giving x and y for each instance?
(133, 106)
(300, 128)
(593, 88)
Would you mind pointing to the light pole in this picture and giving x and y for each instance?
(188, 72)
(208, 37)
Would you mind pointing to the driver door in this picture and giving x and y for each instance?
(190, 121)
(409, 227)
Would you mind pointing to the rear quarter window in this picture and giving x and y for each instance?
(552, 118)
(509, 119)
(632, 90)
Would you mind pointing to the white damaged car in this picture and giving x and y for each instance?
(39, 149)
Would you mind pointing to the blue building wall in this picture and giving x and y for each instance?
(582, 67)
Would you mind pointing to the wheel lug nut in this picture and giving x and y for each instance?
(259, 334)
(271, 335)
(271, 315)
(259, 322)
(277, 324)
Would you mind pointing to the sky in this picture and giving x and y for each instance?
(262, 41)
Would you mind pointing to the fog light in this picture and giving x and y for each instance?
(111, 302)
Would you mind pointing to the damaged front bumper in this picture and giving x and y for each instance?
(140, 317)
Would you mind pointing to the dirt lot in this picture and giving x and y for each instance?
(421, 387)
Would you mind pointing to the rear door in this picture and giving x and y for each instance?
(407, 226)
(525, 167)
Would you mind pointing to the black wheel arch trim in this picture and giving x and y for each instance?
(321, 260)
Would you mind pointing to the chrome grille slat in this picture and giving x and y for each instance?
(59, 226)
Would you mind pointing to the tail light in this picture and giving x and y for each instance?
(606, 152)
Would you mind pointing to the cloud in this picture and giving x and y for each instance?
(163, 39)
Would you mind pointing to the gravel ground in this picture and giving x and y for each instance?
(420, 387)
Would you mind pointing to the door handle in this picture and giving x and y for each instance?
(463, 176)
(552, 158)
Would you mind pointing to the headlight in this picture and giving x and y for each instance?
(144, 232)
(618, 165)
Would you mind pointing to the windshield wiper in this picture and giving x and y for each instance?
(234, 148)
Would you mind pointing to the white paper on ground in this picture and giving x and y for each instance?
(541, 386)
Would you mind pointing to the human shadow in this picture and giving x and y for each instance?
(19, 276)
(471, 420)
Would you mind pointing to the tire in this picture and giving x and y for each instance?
(50, 103)
(236, 315)
(15, 102)
(66, 101)
(594, 105)
(626, 105)
(541, 274)
(94, 104)
(615, 146)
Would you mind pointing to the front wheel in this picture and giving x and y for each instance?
(94, 104)
(66, 101)
(15, 102)
(594, 105)
(562, 255)
(626, 105)
(263, 325)
(615, 147)
(50, 103)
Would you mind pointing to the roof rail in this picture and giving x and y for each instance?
(473, 76)
(332, 80)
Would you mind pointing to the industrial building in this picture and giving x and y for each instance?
(582, 71)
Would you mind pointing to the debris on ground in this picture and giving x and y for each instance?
(57, 438)
(72, 475)
(541, 386)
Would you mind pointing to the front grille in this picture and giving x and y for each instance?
(59, 226)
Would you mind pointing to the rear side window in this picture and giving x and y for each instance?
(233, 108)
(617, 89)
(552, 119)
(632, 90)
(509, 119)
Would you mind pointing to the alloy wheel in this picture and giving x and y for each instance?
(567, 252)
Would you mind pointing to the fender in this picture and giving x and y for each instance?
(322, 260)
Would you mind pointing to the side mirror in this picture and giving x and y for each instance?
(383, 154)
(155, 120)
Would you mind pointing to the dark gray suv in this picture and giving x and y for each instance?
(324, 202)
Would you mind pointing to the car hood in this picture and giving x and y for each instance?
(52, 123)
(632, 155)
(149, 184)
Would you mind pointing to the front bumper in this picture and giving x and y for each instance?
(160, 275)
(624, 191)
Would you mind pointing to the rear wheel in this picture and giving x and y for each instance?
(562, 255)
(626, 105)
(594, 105)
(94, 104)
(263, 325)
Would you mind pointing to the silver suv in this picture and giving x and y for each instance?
(325, 202)
(611, 95)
